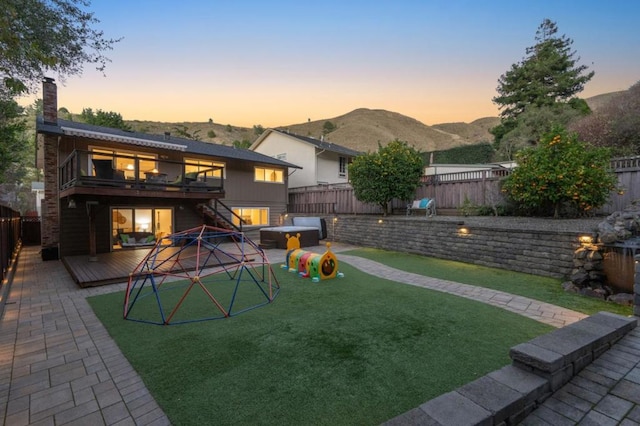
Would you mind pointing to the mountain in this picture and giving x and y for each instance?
(362, 129)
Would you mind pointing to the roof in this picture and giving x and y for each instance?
(320, 144)
(74, 128)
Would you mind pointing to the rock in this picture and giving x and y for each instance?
(570, 287)
(621, 299)
(580, 278)
(594, 255)
(591, 293)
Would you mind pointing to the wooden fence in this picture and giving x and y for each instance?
(9, 239)
(628, 172)
(451, 191)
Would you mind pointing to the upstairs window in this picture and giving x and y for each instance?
(195, 165)
(125, 161)
(342, 167)
(264, 174)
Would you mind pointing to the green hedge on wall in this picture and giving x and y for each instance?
(470, 154)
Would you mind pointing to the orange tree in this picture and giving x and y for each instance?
(392, 172)
(561, 172)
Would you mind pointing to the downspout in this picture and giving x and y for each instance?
(316, 168)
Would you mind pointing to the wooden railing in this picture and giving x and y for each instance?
(169, 175)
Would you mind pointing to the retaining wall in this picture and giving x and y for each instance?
(539, 368)
(539, 252)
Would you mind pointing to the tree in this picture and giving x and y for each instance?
(548, 75)
(392, 172)
(39, 36)
(560, 173)
(615, 125)
(183, 131)
(12, 151)
(328, 127)
(531, 125)
(258, 129)
(243, 144)
(104, 118)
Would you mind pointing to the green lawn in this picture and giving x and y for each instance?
(355, 350)
(533, 286)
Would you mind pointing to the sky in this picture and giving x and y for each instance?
(276, 63)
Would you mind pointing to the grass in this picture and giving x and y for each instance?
(533, 286)
(355, 350)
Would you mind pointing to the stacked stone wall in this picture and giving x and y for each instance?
(536, 252)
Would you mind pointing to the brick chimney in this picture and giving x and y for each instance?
(49, 101)
(50, 222)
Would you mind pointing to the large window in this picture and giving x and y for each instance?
(264, 174)
(126, 161)
(196, 165)
(128, 220)
(251, 215)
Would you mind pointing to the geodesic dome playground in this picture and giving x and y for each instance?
(200, 274)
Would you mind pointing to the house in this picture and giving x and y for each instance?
(448, 172)
(102, 184)
(321, 162)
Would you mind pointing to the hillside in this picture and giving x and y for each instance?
(362, 129)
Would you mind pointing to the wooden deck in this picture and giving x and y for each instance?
(115, 267)
(109, 268)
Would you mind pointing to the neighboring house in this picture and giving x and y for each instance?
(322, 162)
(447, 172)
(101, 183)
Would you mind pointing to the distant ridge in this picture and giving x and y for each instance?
(362, 129)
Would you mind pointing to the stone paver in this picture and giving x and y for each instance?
(58, 362)
(59, 366)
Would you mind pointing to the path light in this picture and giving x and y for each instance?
(585, 240)
(380, 221)
(463, 231)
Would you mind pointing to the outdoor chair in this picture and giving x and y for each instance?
(428, 205)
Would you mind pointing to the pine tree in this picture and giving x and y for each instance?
(548, 77)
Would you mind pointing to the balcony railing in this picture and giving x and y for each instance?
(91, 169)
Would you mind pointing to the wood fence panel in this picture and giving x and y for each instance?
(450, 191)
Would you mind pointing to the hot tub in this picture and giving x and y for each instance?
(308, 236)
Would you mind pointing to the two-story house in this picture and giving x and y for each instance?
(101, 183)
(322, 162)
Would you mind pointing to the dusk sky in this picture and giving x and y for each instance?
(276, 63)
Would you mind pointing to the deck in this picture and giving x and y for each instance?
(108, 268)
(115, 267)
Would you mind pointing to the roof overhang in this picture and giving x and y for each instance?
(123, 139)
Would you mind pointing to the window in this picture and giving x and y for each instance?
(125, 220)
(251, 215)
(196, 165)
(263, 174)
(342, 168)
(126, 161)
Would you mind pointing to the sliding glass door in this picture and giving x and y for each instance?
(127, 220)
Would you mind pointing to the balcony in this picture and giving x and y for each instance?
(84, 172)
